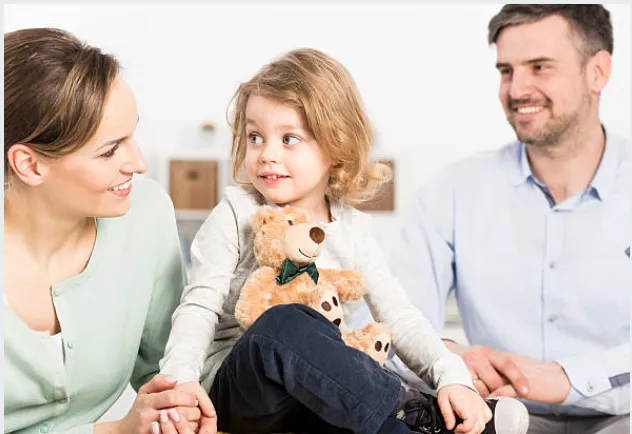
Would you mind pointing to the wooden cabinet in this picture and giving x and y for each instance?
(193, 184)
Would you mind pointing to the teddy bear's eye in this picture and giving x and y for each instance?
(290, 222)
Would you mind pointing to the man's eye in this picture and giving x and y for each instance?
(255, 138)
(290, 140)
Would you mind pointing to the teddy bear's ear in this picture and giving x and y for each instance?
(263, 215)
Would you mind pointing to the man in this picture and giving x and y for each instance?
(534, 237)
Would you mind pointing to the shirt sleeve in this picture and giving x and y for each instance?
(600, 381)
(423, 256)
(415, 340)
(171, 278)
(214, 258)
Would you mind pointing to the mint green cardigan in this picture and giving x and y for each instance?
(115, 319)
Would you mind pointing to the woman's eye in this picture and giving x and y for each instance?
(111, 152)
(290, 140)
(255, 138)
(290, 222)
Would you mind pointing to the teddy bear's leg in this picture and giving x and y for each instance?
(373, 339)
(350, 284)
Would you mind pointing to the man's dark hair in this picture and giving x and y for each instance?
(590, 23)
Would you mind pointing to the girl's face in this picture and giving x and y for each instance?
(283, 161)
(95, 180)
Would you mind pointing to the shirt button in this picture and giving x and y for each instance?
(552, 265)
(44, 428)
(70, 345)
(551, 318)
(589, 387)
(56, 292)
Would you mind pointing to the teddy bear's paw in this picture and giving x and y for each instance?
(350, 284)
(380, 337)
(329, 306)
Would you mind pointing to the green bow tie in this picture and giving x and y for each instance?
(290, 272)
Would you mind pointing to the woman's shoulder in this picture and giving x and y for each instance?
(148, 197)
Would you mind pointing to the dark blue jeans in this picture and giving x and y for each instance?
(291, 372)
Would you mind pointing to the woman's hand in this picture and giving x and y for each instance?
(465, 403)
(160, 397)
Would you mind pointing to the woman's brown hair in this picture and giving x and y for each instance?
(55, 89)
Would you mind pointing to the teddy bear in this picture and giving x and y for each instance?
(286, 246)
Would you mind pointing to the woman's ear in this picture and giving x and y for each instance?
(26, 164)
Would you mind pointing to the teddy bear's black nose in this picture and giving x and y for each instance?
(317, 234)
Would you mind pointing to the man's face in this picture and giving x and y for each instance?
(543, 89)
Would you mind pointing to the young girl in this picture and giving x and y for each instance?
(302, 138)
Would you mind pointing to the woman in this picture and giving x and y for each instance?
(92, 260)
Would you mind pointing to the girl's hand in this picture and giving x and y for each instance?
(159, 394)
(208, 417)
(465, 403)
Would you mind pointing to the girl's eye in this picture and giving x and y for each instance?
(255, 139)
(290, 222)
(111, 152)
(290, 140)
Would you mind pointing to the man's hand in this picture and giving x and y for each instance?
(498, 373)
(547, 380)
(466, 403)
(487, 377)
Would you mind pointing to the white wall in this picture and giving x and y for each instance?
(425, 72)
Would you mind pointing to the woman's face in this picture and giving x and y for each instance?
(96, 180)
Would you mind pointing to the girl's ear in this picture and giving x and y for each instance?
(263, 215)
(26, 164)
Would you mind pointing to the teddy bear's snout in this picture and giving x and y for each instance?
(317, 234)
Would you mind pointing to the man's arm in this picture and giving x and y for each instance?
(423, 257)
(579, 380)
(600, 381)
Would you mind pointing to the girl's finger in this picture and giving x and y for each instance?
(170, 399)
(189, 414)
(165, 424)
(180, 423)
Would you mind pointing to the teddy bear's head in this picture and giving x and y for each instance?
(286, 232)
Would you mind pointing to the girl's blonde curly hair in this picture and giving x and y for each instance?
(324, 91)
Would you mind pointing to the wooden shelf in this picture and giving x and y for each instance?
(192, 214)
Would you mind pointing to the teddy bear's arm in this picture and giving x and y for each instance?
(350, 284)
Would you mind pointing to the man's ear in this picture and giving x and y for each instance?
(26, 164)
(599, 67)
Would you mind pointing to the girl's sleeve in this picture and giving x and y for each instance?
(214, 258)
(414, 339)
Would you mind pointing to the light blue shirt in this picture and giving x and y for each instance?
(544, 280)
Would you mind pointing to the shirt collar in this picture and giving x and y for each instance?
(601, 183)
